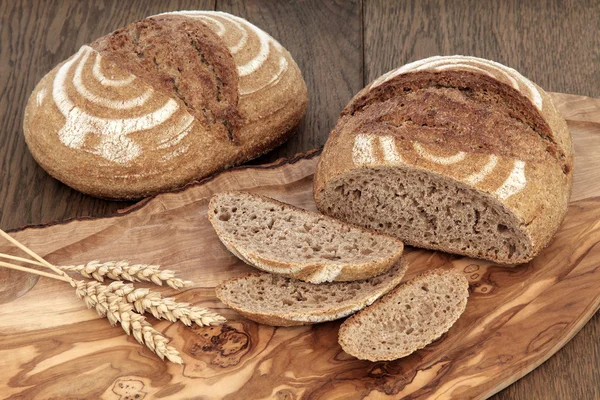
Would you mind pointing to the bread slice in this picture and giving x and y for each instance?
(407, 319)
(282, 239)
(453, 153)
(278, 301)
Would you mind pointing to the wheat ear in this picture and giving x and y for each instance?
(145, 300)
(106, 303)
(114, 307)
(123, 271)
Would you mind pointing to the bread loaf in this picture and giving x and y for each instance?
(282, 239)
(407, 319)
(163, 101)
(274, 300)
(454, 153)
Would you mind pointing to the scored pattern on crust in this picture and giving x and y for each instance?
(40, 96)
(251, 48)
(480, 175)
(369, 149)
(443, 160)
(81, 90)
(491, 68)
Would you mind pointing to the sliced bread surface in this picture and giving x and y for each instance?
(278, 301)
(407, 319)
(296, 243)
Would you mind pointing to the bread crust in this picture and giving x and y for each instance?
(113, 128)
(533, 185)
(314, 272)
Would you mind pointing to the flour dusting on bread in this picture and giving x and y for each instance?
(163, 101)
(367, 146)
(74, 98)
(488, 67)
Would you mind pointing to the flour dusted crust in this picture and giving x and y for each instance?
(122, 124)
(527, 167)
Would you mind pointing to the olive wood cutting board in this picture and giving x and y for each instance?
(52, 346)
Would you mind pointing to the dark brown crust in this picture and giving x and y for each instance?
(510, 101)
(142, 203)
(264, 117)
(456, 118)
(183, 59)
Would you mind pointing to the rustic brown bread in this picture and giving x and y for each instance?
(274, 300)
(408, 318)
(162, 102)
(454, 153)
(282, 239)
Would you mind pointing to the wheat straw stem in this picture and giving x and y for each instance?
(37, 257)
(34, 271)
(21, 259)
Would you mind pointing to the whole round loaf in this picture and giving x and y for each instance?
(164, 101)
(453, 153)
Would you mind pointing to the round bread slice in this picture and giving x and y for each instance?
(453, 153)
(282, 239)
(278, 301)
(407, 319)
(164, 101)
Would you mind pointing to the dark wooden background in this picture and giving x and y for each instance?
(340, 46)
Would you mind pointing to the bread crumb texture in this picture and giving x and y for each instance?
(284, 239)
(407, 319)
(276, 300)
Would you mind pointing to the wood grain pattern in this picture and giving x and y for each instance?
(515, 319)
(547, 41)
(554, 42)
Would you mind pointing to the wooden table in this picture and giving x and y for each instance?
(340, 46)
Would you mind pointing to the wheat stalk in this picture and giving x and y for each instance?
(105, 301)
(34, 271)
(123, 271)
(144, 300)
(37, 257)
(109, 304)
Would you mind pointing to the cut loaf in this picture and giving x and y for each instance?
(274, 300)
(282, 239)
(407, 319)
(455, 153)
